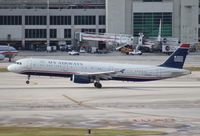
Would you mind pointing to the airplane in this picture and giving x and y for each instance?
(84, 72)
(7, 51)
(151, 44)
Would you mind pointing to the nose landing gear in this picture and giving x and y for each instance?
(27, 82)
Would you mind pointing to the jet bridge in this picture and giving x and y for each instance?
(109, 38)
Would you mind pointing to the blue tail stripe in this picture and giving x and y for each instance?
(177, 59)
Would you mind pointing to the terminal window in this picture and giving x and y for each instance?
(199, 34)
(152, 0)
(199, 19)
(102, 30)
(67, 33)
(84, 20)
(35, 20)
(102, 20)
(60, 20)
(35, 33)
(88, 30)
(148, 23)
(53, 33)
(10, 20)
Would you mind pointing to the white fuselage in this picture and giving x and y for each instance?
(63, 68)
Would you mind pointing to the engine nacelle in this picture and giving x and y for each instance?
(81, 79)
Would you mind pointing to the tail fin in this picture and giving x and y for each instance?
(177, 59)
(159, 32)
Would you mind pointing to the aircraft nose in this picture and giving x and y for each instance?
(11, 68)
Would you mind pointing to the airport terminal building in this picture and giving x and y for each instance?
(24, 23)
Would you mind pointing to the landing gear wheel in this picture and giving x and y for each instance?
(27, 82)
(97, 85)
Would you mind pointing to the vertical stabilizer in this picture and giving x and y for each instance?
(160, 31)
(177, 59)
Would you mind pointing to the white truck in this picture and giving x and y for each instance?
(169, 45)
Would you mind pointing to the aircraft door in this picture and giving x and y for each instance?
(29, 64)
(65, 67)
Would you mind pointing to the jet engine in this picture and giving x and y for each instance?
(81, 79)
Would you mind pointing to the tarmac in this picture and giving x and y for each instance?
(171, 105)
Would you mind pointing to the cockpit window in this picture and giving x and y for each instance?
(18, 63)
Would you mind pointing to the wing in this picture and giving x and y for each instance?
(101, 75)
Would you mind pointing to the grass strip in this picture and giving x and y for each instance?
(193, 68)
(3, 70)
(23, 131)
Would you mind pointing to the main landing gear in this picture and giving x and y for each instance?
(97, 85)
(27, 82)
